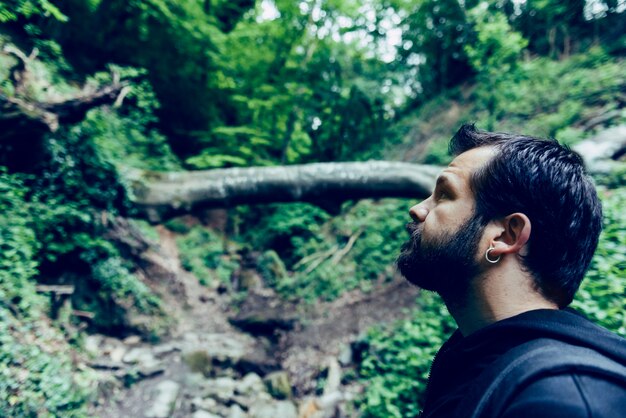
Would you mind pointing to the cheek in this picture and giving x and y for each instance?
(436, 220)
(444, 219)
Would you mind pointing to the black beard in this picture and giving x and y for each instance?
(446, 264)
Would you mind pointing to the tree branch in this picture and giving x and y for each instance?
(24, 118)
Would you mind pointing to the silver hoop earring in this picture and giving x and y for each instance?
(492, 261)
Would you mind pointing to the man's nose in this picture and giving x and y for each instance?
(419, 212)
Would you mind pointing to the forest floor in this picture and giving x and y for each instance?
(282, 360)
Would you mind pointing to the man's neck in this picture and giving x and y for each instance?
(492, 299)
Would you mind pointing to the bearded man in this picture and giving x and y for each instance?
(506, 238)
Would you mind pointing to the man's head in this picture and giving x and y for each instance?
(528, 197)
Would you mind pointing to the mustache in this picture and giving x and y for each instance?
(414, 229)
(415, 236)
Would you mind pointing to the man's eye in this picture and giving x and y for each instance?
(441, 195)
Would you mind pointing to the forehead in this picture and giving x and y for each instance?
(462, 167)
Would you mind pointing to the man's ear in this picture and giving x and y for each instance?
(515, 233)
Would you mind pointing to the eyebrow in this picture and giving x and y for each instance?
(444, 181)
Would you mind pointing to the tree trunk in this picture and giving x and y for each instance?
(159, 196)
(21, 118)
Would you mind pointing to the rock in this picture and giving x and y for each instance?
(222, 389)
(108, 385)
(251, 384)
(194, 384)
(145, 365)
(309, 409)
(249, 280)
(322, 407)
(273, 409)
(245, 401)
(264, 315)
(600, 151)
(92, 344)
(117, 353)
(278, 385)
(236, 412)
(162, 350)
(132, 340)
(199, 362)
(328, 402)
(333, 380)
(345, 355)
(152, 370)
(164, 399)
(208, 404)
(221, 348)
(104, 365)
(138, 355)
(257, 361)
(204, 414)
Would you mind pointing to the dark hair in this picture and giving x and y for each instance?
(548, 183)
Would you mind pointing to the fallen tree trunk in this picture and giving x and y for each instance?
(162, 195)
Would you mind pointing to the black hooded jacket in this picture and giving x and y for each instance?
(574, 395)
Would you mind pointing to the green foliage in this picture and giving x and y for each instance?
(126, 137)
(146, 229)
(117, 290)
(73, 189)
(494, 54)
(11, 10)
(36, 374)
(552, 96)
(497, 46)
(272, 268)
(554, 27)
(327, 256)
(203, 253)
(601, 296)
(37, 378)
(614, 179)
(437, 153)
(283, 228)
(157, 34)
(543, 98)
(397, 362)
(18, 246)
(178, 225)
(435, 34)
(125, 142)
(381, 231)
(52, 217)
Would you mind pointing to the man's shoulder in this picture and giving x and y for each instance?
(572, 395)
(533, 374)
